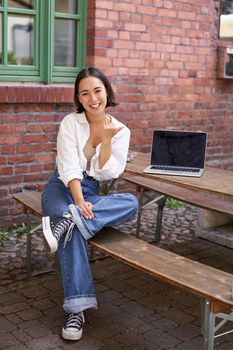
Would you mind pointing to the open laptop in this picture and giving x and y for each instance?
(178, 153)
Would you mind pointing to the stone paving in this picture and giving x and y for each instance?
(135, 312)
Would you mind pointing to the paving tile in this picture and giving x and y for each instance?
(135, 311)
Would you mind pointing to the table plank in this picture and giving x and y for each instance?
(196, 197)
(213, 180)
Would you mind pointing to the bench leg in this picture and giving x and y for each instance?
(211, 326)
(139, 215)
(29, 245)
(209, 323)
(160, 200)
(30, 231)
(161, 204)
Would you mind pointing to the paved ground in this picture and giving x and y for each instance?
(135, 311)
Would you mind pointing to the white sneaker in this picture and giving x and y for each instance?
(54, 228)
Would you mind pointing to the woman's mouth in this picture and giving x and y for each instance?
(96, 105)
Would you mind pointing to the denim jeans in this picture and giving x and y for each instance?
(109, 210)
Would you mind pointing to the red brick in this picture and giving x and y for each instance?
(34, 138)
(20, 159)
(7, 170)
(19, 93)
(7, 149)
(68, 94)
(21, 169)
(44, 93)
(6, 129)
(11, 94)
(23, 148)
(3, 94)
(9, 140)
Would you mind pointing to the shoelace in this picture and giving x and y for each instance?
(68, 234)
(74, 321)
(63, 226)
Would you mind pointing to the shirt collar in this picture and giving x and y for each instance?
(82, 118)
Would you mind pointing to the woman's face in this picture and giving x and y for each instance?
(92, 95)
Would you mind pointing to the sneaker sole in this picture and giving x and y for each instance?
(68, 335)
(50, 240)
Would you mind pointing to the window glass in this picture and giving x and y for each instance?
(40, 44)
(20, 40)
(25, 4)
(64, 43)
(69, 6)
(226, 19)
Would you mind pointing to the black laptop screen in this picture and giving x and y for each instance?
(178, 148)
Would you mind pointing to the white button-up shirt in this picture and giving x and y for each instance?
(72, 136)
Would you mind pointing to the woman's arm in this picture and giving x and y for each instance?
(76, 191)
(106, 146)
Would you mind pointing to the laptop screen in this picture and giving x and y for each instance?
(178, 148)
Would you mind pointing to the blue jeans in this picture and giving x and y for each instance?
(109, 210)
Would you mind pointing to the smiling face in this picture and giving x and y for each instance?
(92, 95)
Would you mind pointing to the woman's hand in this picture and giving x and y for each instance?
(86, 209)
(110, 130)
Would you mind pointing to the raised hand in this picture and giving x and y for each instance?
(110, 130)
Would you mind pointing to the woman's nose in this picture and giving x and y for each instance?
(92, 98)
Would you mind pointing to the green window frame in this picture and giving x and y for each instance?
(42, 67)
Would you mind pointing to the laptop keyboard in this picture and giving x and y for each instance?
(159, 167)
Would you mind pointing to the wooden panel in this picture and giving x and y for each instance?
(213, 180)
(190, 275)
(200, 279)
(31, 200)
(189, 195)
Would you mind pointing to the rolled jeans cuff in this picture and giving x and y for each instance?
(80, 222)
(77, 304)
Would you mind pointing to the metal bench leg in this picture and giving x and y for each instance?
(209, 323)
(138, 224)
(160, 201)
(29, 245)
(161, 204)
(30, 231)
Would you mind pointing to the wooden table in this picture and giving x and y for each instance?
(213, 191)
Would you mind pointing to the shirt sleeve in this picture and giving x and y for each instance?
(68, 160)
(115, 166)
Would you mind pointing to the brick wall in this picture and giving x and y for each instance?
(30, 116)
(161, 57)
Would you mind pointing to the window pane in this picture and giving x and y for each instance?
(226, 19)
(69, 6)
(64, 43)
(25, 4)
(20, 40)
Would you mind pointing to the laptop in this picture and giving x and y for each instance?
(178, 153)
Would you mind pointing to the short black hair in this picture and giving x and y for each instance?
(93, 72)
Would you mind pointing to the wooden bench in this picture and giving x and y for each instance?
(199, 198)
(212, 285)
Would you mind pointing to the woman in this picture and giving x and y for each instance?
(92, 146)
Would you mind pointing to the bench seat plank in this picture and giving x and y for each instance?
(202, 280)
(188, 195)
(31, 200)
